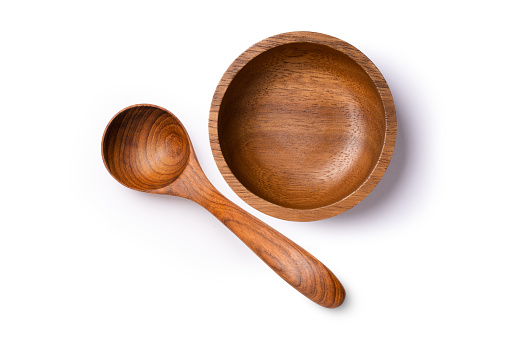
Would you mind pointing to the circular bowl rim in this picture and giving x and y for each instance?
(323, 212)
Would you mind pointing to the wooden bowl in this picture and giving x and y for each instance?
(302, 126)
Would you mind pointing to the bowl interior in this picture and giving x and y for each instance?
(301, 125)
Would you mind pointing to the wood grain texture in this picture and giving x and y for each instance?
(302, 126)
(146, 148)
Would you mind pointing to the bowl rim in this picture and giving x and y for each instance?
(373, 178)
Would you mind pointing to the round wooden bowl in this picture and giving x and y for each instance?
(302, 126)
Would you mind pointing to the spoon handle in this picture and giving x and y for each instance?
(294, 264)
(290, 261)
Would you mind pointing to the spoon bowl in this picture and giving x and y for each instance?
(146, 148)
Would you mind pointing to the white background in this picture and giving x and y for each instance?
(424, 256)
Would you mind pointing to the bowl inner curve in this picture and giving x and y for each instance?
(301, 125)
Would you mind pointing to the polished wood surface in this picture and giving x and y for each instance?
(302, 126)
(146, 148)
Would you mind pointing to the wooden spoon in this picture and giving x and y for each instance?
(146, 148)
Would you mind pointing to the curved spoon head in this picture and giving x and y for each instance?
(145, 147)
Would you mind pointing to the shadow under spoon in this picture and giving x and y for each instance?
(146, 148)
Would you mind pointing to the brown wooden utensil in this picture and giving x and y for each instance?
(146, 148)
(302, 126)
